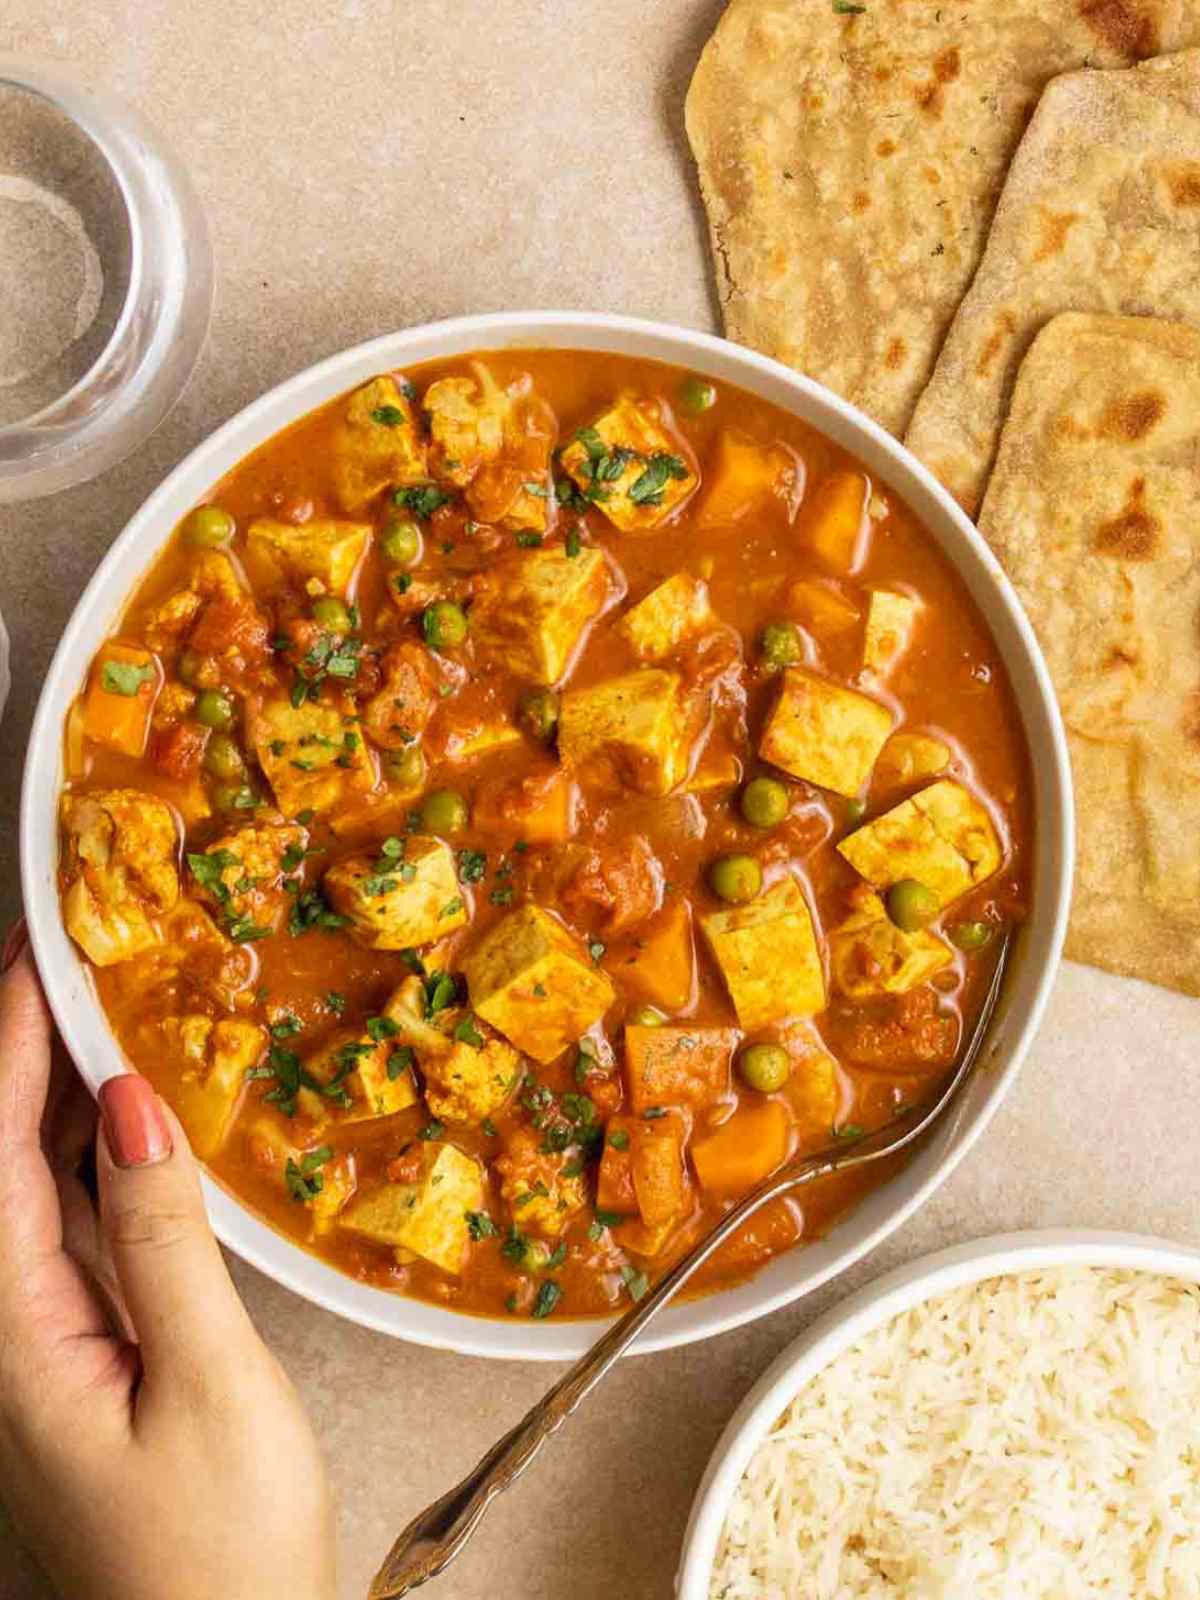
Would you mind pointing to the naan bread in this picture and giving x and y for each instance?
(1094, 510)
(1100, 212)
(850, 164)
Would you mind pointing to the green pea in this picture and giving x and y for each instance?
(765, 802)
(444, 811)
(853, 812)
(736, 879)
(444, 624)
(233, 797)
(401, 542)
(189, 667)
(765, 1067)
(332, 613)
(970, 935)
(782, 644)
(215, 710)
(407, 768)
(647, 1017)
(223, 757)
(911, 905)
(538, 713)
(696, 396)
(209, 527)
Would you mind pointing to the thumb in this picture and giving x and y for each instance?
(181, 1300)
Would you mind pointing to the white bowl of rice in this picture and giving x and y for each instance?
(1012, 1419)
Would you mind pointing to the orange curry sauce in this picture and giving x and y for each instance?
(378, 1158)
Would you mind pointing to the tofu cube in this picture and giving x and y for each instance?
(668, 616)
(399, 712)
(660, 965)
(241, 875)
(119, 850)
(428, 1217)
(815, 1097)
(745, 478)
(684, 1066)
(716, 769)
(533, 609)
(629, 465)
(822, 608)
(909, 758)
(124, 685)
(215, 1057)
(378, 445)
(835, 523)
(480, 738)
(533, 981)
(397, 904)
(321, 550)
(942, 836)
(869, 955)
(635, 727)
(891, 619)
(827, 735)
(375, 1073)
(542, 1189)
(313, 1175)
(745, 1149)
(768, 955)
(312, 755)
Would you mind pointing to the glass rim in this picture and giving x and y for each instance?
(160, 329)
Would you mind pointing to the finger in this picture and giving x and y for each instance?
(190, 1324)
(29, 1220)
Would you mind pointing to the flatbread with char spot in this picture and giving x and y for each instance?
(1094, 510)
(1100, 212)
(851, 157)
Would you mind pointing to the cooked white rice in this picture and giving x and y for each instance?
(1037, 1435)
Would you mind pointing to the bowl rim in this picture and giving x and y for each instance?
(907, 1286)
(81, 1020)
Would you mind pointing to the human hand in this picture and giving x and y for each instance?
(150, 1445)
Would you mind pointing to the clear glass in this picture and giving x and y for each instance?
(84, 174)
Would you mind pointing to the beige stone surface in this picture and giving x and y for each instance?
(369, 164)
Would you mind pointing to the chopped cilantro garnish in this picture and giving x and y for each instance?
(472, 864)
(468, 1033)
(380, 1028)
(336, 1002)
(400, 1061)
(619, 1139)
(440, 991)
(422, 499)
(548, 1297)
(647, 490)
(304, 1179)
(387, 416)
(636, 1282)
(312, 910)
(529, 541)
(433, 1129)
(480, 1225)
(595, 949)
(573, 543)
(125, 677)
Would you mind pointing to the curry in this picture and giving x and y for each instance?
(536, 795)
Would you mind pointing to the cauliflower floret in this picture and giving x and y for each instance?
(119, 858)
(242, 874)
(540, 1188)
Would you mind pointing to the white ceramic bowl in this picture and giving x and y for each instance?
(1033, 962)
(869, 1309)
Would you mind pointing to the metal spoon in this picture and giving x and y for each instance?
(436, 1535)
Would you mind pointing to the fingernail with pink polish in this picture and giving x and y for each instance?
(15, 941)
(134, 1124)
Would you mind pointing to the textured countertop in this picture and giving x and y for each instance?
(367, 165)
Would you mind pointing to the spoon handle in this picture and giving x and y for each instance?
(436, 1535)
